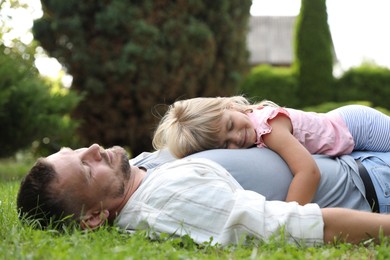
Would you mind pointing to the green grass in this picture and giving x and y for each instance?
(22, 242)
(16, 167)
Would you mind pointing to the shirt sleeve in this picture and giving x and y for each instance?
(260, 118)
(199, 198)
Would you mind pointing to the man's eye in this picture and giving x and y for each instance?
(87, 168)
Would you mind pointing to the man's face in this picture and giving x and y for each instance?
(93, 174)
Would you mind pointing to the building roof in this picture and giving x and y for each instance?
(270, 40)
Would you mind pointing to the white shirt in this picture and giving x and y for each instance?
(200, 198)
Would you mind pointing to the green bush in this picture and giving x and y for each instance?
(326, 107)
(275, 84)
(31, 109)
(366, 82)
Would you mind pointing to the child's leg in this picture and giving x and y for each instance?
(369, 127)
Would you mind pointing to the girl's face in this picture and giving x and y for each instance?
(237, 130)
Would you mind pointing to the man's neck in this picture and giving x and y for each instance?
(131, 187)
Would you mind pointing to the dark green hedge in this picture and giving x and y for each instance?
(276, 84)
(366, 82)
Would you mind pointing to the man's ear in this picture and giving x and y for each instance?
(94, 219)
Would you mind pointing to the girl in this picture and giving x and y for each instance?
(199, 124)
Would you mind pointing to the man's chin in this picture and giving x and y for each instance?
(125, 166)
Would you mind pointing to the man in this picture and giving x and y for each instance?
(264, 172)
(193, 196)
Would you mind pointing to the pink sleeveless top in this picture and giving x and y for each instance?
(320, 133)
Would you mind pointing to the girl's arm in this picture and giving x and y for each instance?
(302, 165)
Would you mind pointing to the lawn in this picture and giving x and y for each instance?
(22, 242)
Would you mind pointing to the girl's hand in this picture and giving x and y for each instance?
(302, 165)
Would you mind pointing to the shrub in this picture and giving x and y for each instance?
(365, 82)
(30, 109)
(276, 84)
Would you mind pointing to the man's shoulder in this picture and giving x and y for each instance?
(150, 160)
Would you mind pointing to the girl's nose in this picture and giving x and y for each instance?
(237, 139)
(234, 141)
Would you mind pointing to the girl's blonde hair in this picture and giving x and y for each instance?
(192, 125)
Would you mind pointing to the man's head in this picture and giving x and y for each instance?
(87, 184)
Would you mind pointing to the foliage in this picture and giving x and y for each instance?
(313, 54)
(310, 81)
(326, 107)
(276, 84)
(365, 82)
(22, 242)
(29, 108)
(128, 56)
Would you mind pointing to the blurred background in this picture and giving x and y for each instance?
(78, 72)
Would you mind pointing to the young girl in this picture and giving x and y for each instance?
(198, 124)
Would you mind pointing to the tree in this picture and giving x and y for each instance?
(313, 54)
(129, 56)
(30, 108)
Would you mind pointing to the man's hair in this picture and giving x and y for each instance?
(192, 125)
(38, 203)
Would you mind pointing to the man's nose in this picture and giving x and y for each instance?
(93, 152)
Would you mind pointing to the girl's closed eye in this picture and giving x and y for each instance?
(225, 145)
(230, 125)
